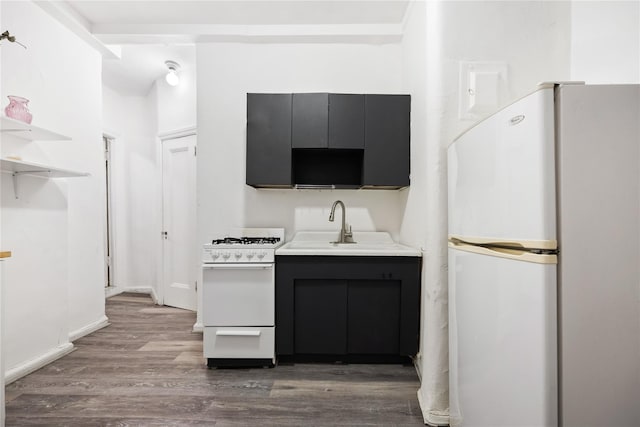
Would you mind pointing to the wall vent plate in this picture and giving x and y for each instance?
(483, 88)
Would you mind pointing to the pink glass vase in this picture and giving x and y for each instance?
(17, 109)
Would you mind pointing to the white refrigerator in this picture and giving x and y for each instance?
(544, 256)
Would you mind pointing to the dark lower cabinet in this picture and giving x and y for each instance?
(339, 307)
(373, 316)
(320, 317)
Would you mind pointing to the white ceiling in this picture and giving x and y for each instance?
(141, 64)
(238, 12)
(151, 32)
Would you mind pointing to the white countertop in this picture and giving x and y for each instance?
(368, 243)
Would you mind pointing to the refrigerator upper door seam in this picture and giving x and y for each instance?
(524, 244)
(514, 254)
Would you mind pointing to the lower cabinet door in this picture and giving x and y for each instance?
(373, 322)
(222, 342)
(320, 317)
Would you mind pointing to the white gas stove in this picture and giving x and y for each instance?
(249, 245)
(239, 297)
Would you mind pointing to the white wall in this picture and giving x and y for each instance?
(414, 81)
(605, 41)
(533, 38)
(226, 72)
(176, 105)
(2, 415)
(54, 286)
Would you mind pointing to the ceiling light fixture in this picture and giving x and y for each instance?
(172, 76)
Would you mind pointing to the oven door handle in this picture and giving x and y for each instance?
(238, 333)
(248, 266)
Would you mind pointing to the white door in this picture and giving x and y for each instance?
(179, 221)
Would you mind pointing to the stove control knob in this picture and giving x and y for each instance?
(261, 254)
(237, 254)
(226, 255)
(250, 254)
(215, 254)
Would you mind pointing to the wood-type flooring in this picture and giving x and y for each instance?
(147, 369)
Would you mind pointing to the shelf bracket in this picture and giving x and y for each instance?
(16, 174)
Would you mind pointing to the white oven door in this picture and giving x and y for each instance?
(238, 294)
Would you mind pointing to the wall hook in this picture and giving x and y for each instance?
(11, 38)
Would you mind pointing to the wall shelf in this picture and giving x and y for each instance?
(18, 168)
(29, 132)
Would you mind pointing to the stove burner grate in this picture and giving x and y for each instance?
(246, 241)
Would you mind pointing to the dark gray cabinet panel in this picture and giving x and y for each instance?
(371, 302)
(322, 120)
(268, 140)
(346, 121)
(310, 120)
(373, 316)
(387, 140)
(345, 140)
(320, 316)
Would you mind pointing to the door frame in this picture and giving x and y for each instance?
(162, 137)
(109, 141)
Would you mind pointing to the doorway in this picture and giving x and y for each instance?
(108, 142)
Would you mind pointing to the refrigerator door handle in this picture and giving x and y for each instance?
(514, 253)
(524, 244)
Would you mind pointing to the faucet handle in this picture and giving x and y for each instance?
(348, 236)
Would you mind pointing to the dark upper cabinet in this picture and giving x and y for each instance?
(341, 140)
(269, 140)
(323, 120)
(310, 118)
(346, 121)
(387, 140)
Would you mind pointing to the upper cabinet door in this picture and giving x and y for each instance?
(387, 140)
(346, 121)
(269, 139)
(310, 120)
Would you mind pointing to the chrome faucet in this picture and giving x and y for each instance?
(345, 236)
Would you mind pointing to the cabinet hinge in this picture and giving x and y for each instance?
(195, 151)
(196, 286)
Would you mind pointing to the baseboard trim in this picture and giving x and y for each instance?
(33, 365)
(155, 298)
(198, 327)
(417, 362)
(91, 327)
(112, 291)
(432, 418)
